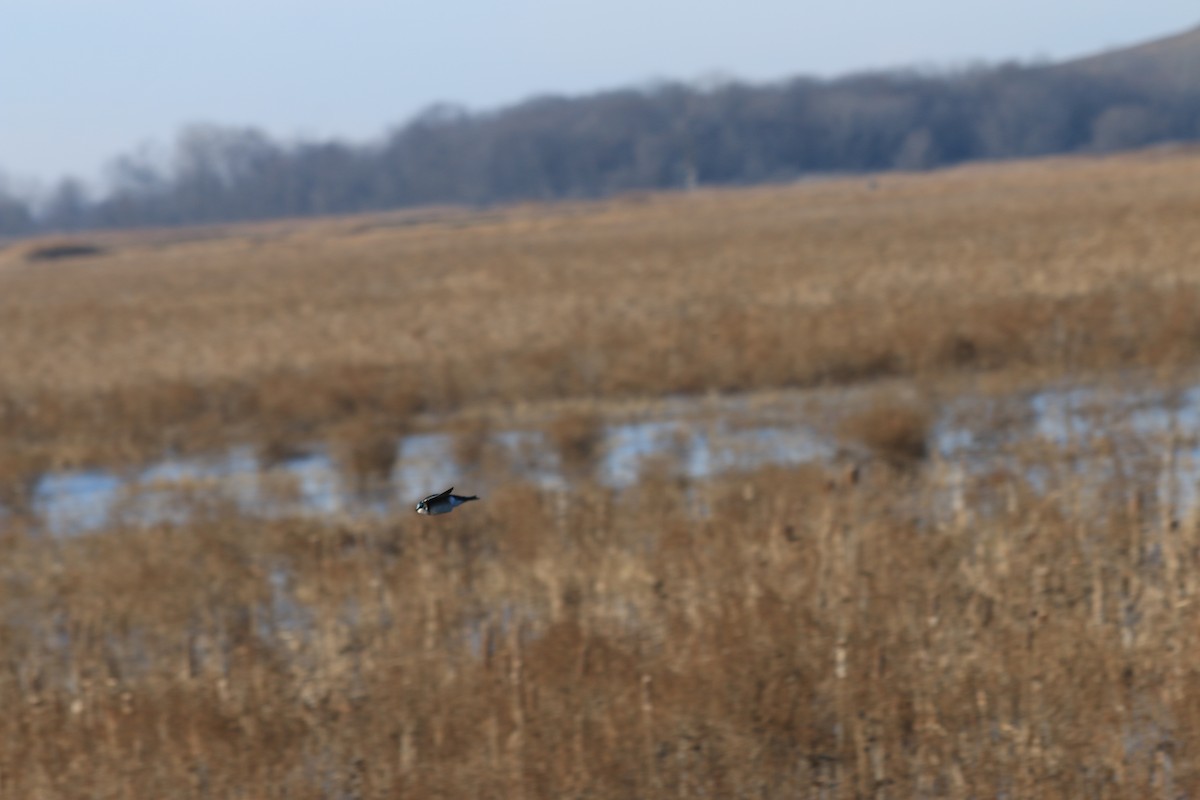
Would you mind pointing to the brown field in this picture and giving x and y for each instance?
(164, 342)
(804, 631)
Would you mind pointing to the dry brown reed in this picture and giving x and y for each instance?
(893, 429)
(472, 447)
(281, 332)
(366, 450)
(802, 638)
(19, 476)
(577, 436)
(931, 632)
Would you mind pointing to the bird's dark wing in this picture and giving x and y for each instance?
(438, 496)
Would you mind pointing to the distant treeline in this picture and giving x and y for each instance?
(670, 135)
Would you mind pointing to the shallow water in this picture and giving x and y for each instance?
(1095, 431)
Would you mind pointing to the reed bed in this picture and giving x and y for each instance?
(896, 626)
(283, 333)
(794, 633)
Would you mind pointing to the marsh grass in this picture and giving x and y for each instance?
(894, 430)
(577, 436)
(365, 451)
(473, 448)
(282, 333)
(806, 636)
(940, 630)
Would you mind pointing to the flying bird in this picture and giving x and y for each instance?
(442, 503)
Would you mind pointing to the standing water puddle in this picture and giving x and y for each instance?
(1095, 431)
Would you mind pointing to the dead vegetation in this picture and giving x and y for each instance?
(190, 343)
(806, 638)
(925, 631)
(577, 435)
(895, 430)
(366, 451)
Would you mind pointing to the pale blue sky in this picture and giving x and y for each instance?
(84, 80)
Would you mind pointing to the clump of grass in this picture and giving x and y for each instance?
(472, 438)
(577, 436)
(19, 476)
(366, 451)
(277, 445)
(894, 430)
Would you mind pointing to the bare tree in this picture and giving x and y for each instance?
(665, 135)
